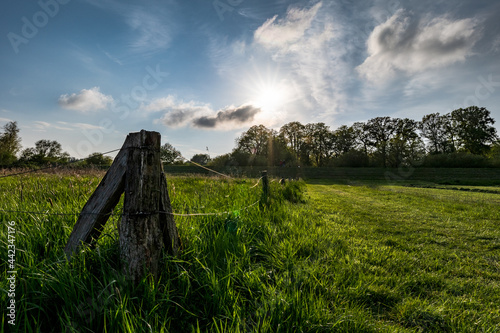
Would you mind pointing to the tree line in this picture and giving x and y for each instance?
(45, 152)
(462, 138)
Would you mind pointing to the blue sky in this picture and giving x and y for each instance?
(87, 72)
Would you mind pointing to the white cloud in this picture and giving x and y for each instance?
(152, 30)
(406, 44)
(307, 42)
(284, 33)
(152, 25)
(86, 100)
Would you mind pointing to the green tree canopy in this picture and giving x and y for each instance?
(10, 143)
(202, 159)
(44, 152)
(169, 155)
(292, 134)
(380, 130)
(474, 128)
(255, 141)
(98, 159)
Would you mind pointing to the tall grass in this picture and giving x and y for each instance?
(334, 258)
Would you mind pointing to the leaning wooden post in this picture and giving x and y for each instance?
(99, 207)
(171, 239)
(265, 189)
(141, 239)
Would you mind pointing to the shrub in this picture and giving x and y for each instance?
(456, 160)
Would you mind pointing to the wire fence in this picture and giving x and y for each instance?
(47, 213)
(56, 166)
(128, 214)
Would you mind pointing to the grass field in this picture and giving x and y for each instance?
(350, 256)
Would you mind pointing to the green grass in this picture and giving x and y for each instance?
(368, 257)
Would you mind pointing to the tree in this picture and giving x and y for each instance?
(202, 159)
(292, 135)
(405, 146)
(45, 152)
(362, 139)
(437, 130)
(10, 143)
(380, 130)
(474, 127)
(255, 141)
(319, 140)
(98, 159)
(344, 140)
(169, 155)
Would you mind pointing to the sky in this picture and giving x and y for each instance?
(201, 72)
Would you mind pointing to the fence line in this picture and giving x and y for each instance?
(56, 166)
(138, 213)
(113, 214)
(204, 167)
(109, 152)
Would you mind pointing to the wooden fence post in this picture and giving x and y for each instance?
(265, 188)
(147, 223)
(141, 239)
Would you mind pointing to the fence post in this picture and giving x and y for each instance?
(147, 224)
(265, 189)
(140, 235)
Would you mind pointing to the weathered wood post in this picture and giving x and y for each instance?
(98, 208)
(148, 223)
(264, 200)
(141, 239)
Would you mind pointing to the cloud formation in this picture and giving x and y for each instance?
(306, 42)
(86, 100)
(153, 31)
(239, 116)
(410, 45)
(200, 115)
(283, 33)
(152, 25)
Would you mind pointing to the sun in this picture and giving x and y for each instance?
(271, 97)
(270, 90)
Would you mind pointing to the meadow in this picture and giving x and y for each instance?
(324, 256)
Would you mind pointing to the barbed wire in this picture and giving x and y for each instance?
(125, 214)
(105, 153)
(114, 214)
(204, 167)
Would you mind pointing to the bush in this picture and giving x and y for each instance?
(456, 160)
(292, 191)
(351, 159)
